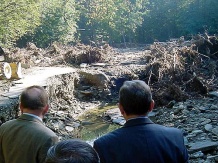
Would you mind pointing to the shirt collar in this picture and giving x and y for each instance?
(33, 115)
(137, 117)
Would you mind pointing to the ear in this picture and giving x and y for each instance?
(121, 109)
(151, 106)
(45, 110)
(21, 108)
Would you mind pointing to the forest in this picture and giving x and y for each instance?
(103, 21)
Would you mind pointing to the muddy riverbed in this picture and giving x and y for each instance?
(83, 101)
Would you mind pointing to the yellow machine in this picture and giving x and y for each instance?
(9, 70)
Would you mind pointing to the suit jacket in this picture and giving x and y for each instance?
(142, 141)
(25, 140)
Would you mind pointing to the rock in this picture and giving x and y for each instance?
(214, 107)
(87, 93)
(171, 115)
(58, 125)
(180, 106)
(98, 64)
(212, 158)
(113, 113)
(74, 124)
(85, 87)
(197, 132)
(186, 141)
(119, 120)
(213, 94)
(215, 130)
(177, 111)
(69, 128)
(37, 61)
(208, 127)
(60, 113)
(65, 107)
(171, 104)
(115, 116)
(9, 109)
(203, 109)
(96, 78)
(198, 154)
(83, 65)
(203, 146)
(206, 121)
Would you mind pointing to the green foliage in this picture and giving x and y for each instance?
(113, 21)
(197, 16)
(96, 17)
(160, 22)
(17, 17)
(129, 16)
(174, 18)
(58, 23)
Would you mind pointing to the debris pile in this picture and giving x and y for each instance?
(174, 68)
(57, 54)
(182, 75)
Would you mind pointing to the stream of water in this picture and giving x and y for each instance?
(94, 125)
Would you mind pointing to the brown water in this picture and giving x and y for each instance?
(94, 125)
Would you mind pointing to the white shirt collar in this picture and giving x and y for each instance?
(34, 116)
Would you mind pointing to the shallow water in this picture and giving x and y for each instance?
(95, 125)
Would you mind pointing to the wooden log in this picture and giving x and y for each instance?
(16, 70)
(5, 70)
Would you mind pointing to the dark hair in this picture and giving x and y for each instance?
(72, 151)
(135, 97)
(34, 97)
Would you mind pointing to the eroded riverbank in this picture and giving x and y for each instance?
(181, 85)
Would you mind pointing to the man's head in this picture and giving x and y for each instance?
(72, 151)
(135, 98)
(34, 99)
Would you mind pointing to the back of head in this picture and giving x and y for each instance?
(34, 97)
(135, 97)
(72, 151)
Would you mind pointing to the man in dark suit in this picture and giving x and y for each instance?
(140, 140)
(27, 139)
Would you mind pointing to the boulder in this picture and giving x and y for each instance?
(96, 78)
